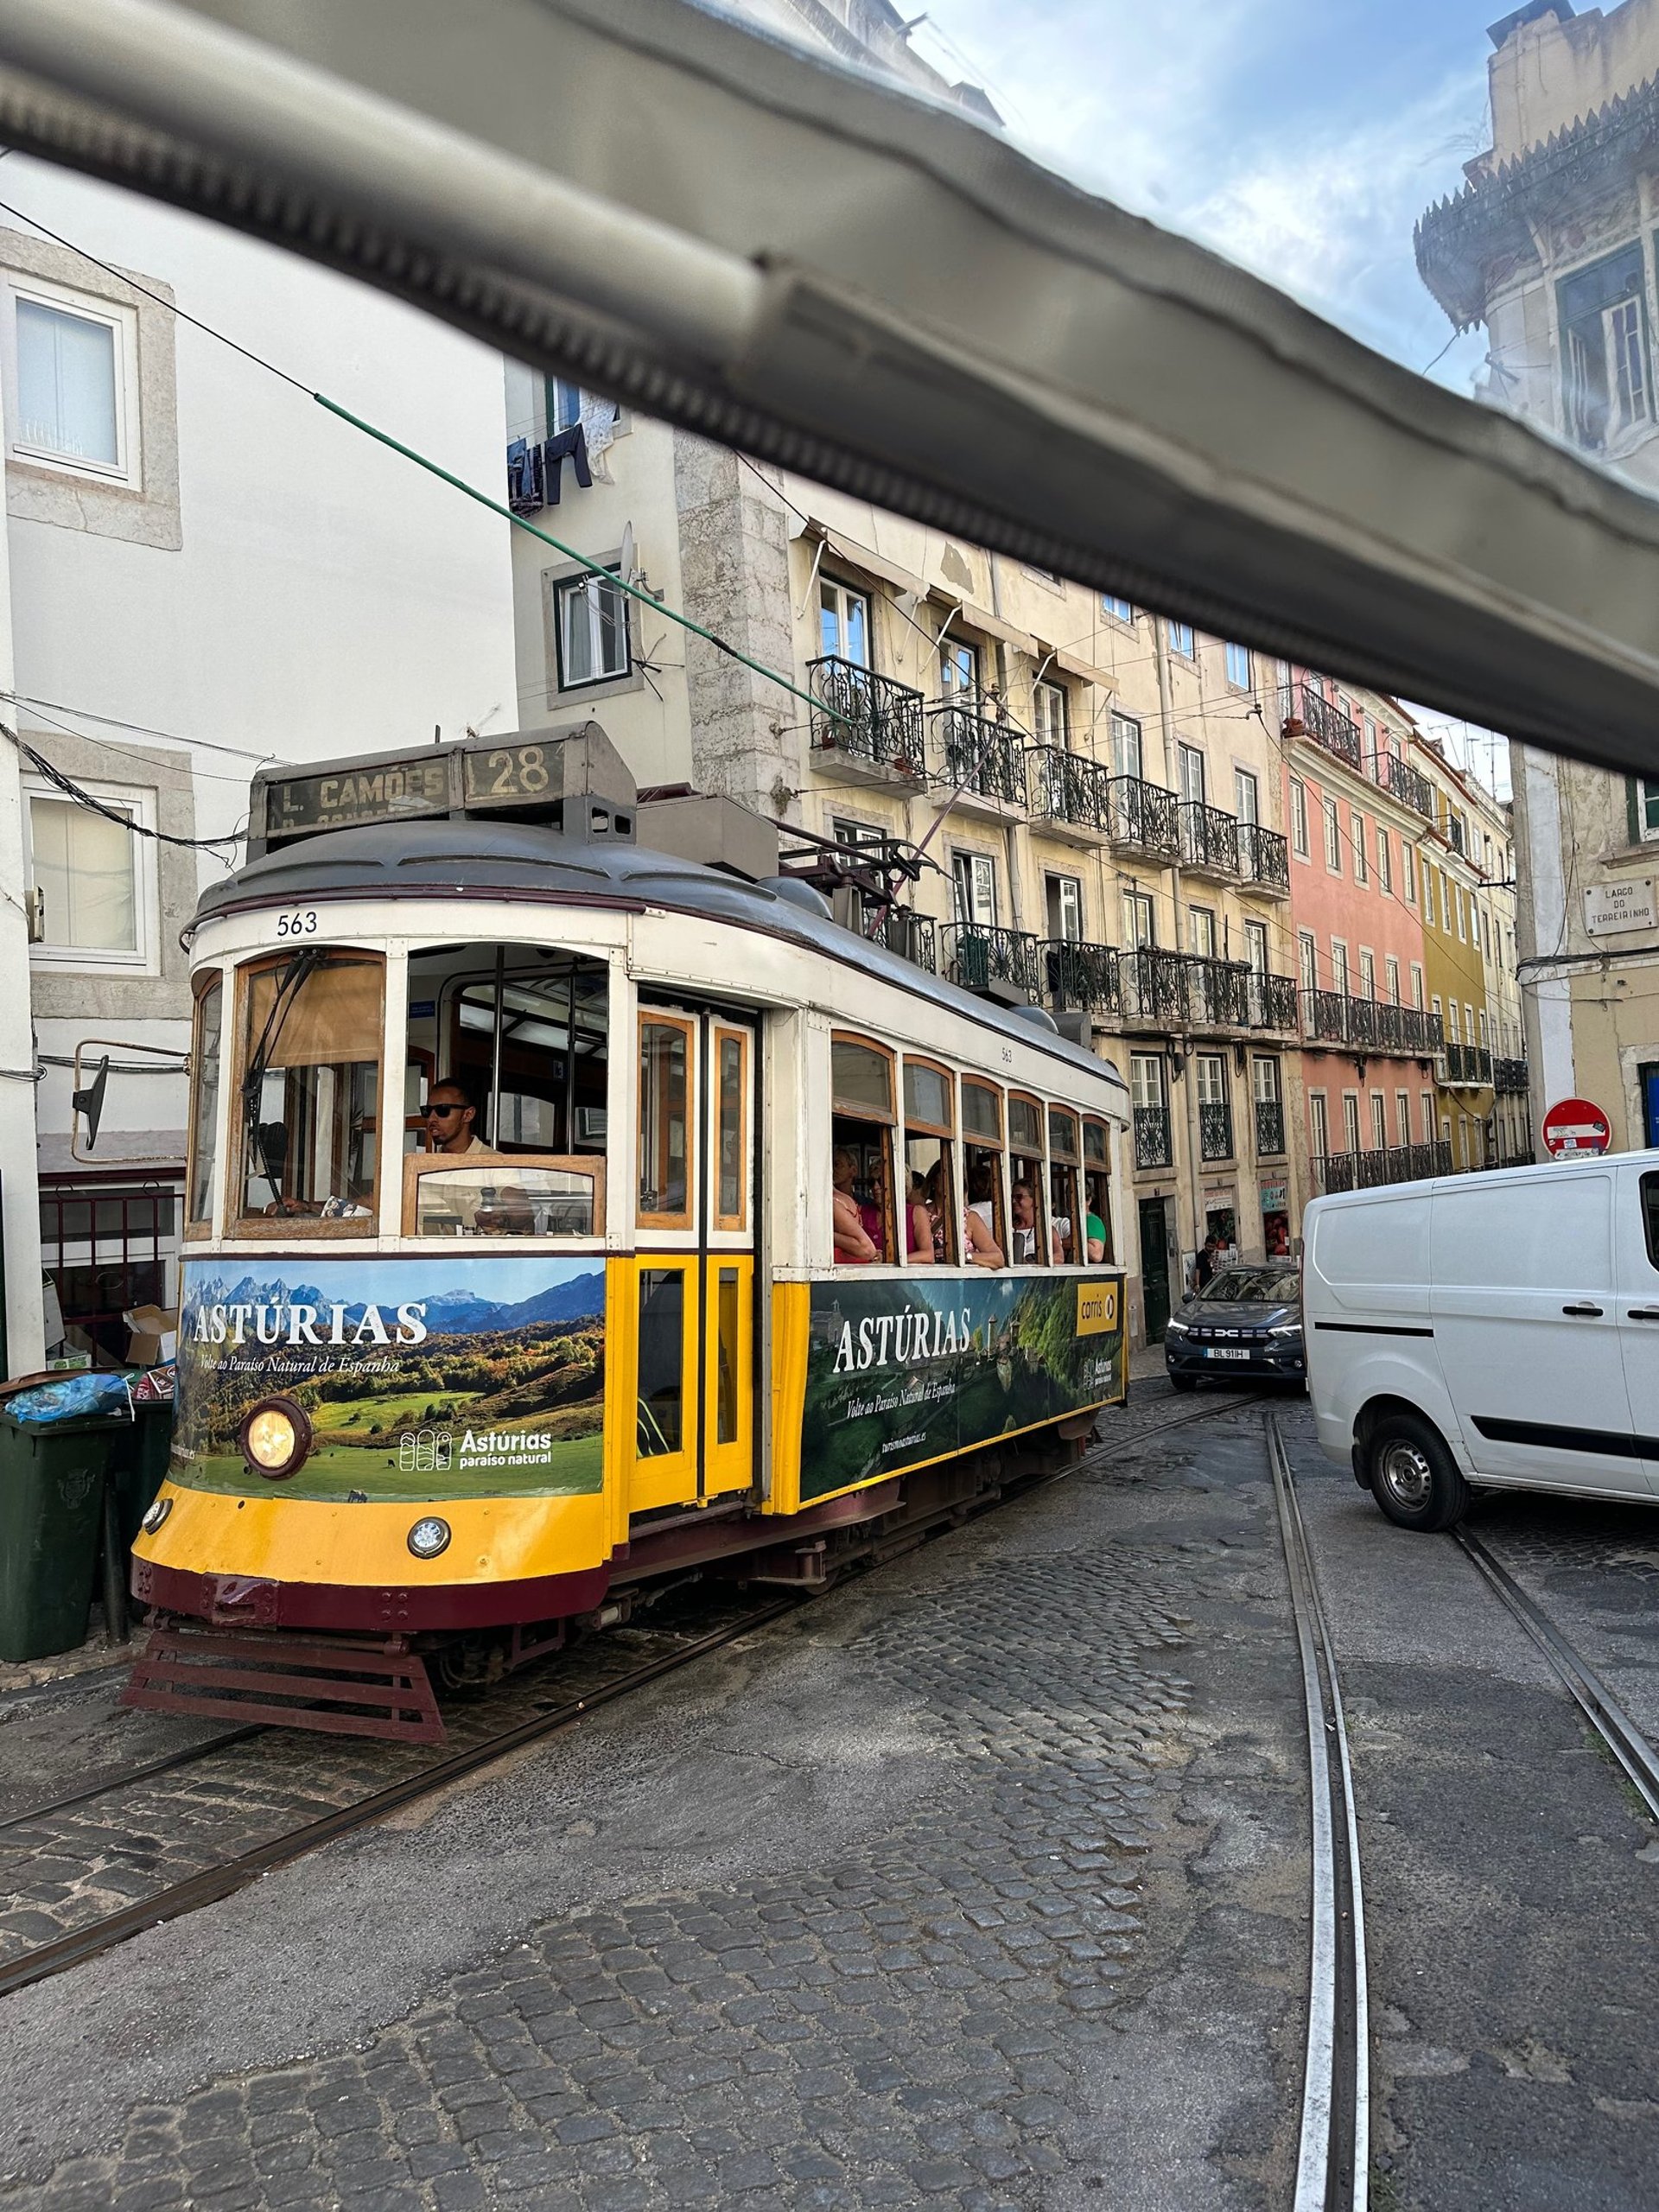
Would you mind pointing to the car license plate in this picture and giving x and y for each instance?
(1224, 1351)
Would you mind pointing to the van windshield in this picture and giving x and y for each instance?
(1268, 1286)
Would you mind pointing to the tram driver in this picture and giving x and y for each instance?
(470, 1209)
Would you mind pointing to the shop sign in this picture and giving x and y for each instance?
(1274, 1197)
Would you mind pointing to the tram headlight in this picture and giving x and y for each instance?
(157, 1513)
(276, 1437)
(428, 1536)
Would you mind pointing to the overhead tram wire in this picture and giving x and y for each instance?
(435, 468)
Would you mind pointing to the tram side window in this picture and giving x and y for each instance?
(932, 1231)
(1097, 1192)
(309, 1068)
(982, 1159)
(204, 1100)
(1034, 1244)
(665, 1049)
(861, 1134)
(1062, 1167)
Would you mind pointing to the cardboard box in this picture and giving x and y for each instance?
(154, 1341)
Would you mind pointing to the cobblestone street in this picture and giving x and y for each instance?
(901, 1901)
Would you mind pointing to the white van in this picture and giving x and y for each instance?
(1497, 1329)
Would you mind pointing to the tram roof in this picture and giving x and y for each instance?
(526, 862)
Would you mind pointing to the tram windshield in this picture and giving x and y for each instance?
(310, 1025)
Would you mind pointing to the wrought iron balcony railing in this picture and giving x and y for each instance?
(1365, 1171)
(1370, 1025)
(1063, 787)
(1145, 816)
(1152, 1137)
(975, 956)
(911, 935)
(1272, 1002)
(1218, 993)
(1408, 785)
(868, 716)
(1155, 987)
(1327, 725)
(1522, 1157)
(1269, 1128)
(1085, 975)
(1466, 1064)
(980, 757)
(1263, 857)
(1509, 1077)
(1208, 839)
(1215, 1129)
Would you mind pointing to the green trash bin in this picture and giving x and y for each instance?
(52, 1478)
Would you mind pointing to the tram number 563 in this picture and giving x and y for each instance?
(297, 924)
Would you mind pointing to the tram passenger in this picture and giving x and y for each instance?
(981, 1248)
(918, 1225)
(1025, 1228)
(854, 1246)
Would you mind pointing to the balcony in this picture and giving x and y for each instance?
(1069, 789)
(1209, 841)
(1152, 1137)
(1526, 1158)
(1217, 992)
(977, 957)
(1215, 1129)
(1269, 1128)
(1154, 989)
(1466, 1064)
(1273, 1002)
(911, 935)
(1084, 975)
(869, 718)
(1370, 1025)
(1328, 726)
(1145, 817)
(1510, 1077)
(979, 758)
(1406, 783)
(1263, 858)
(1366, 1171)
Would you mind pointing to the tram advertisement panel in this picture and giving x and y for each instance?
(900, 1372)
(419, 1377)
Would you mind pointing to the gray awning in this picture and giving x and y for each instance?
(880, 294)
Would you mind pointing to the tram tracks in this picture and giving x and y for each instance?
(121, 1844)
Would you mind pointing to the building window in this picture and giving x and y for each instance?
(1604, 349)
(1119, 609)
(1338, 966)
(1429, 922)
(1318, 1124)
(1180, 640)
(1255, 947)
(74, 399)
(1647, 811)
(1357, 824)
(1391, 972)
(1371, 743)
(1201, 931)
(1457, 890)
(975, 876)
(1332, 838)
(1299, 818)
(1146, 1080)
(1367, 973)
(1140, 920)
(1048, 716)
(1126, 746)
(1350, 1120)
(593, 644)
(1238, 666)
(1384, 862)
(1247, 796)
(1427, 1108)
(1408, 874)
(1065, 904)
(1417, 986)
(1379, 1123)
(1307, 956)
(1402, 1115)
(92, 878)
(959, 673)
(844, 623)
(1192, 774)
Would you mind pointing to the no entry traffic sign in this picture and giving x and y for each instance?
(1574, 1126)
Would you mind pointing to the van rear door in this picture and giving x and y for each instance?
(1526, 1326)
(1636, 1252)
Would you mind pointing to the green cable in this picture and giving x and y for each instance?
(596, 568)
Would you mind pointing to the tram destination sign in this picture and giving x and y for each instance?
(523, 774)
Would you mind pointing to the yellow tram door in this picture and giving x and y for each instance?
(694, 1203)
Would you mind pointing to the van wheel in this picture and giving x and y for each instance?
(1413, 1477)
(1182, 1381)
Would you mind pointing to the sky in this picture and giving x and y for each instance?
(1302, 138)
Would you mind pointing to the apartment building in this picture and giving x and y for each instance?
(200, 569)
(1550, 245)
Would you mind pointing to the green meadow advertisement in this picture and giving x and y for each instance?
(488, 1381)
(900, 1372)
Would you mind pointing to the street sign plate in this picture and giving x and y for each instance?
(1573, 1127)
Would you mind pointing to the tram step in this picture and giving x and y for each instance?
(339, 1686)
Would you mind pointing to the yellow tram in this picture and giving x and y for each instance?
(563, 1213)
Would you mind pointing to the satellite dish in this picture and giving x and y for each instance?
(625, 562)
(89, 1102)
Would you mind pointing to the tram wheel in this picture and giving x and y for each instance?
(1412, 1474)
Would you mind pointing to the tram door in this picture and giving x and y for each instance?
(694, 1215)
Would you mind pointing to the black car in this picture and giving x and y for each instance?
(1245, 1323)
